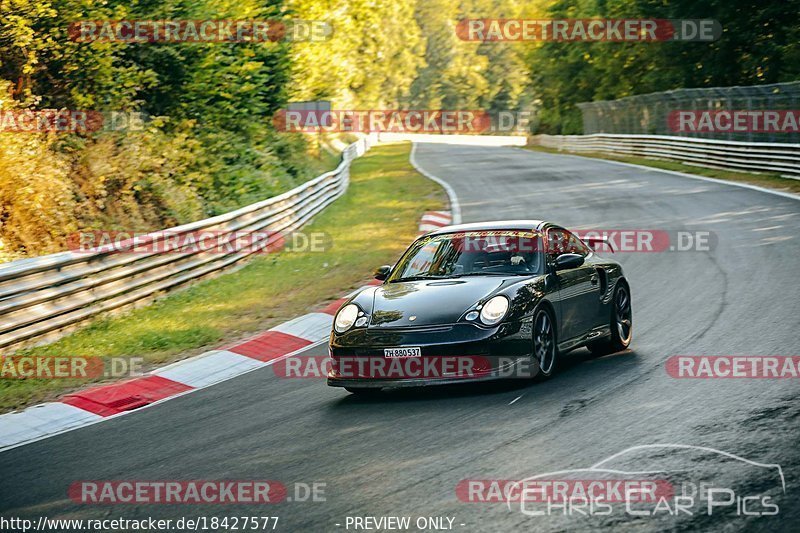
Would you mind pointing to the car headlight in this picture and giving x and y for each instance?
(345, 318)
(494, 310)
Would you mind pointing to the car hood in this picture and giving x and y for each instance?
(429, 302)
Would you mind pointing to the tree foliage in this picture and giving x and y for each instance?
(760, 44)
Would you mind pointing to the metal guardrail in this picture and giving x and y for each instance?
(780, 158)
(42, 297)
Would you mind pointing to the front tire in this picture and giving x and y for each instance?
(545, 347)
(621, 324)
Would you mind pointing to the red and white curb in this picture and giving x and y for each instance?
(98, 403)
(102, 402)
(433, 220)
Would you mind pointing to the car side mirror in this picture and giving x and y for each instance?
(381, 273)
(567, 261)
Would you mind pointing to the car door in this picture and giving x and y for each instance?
(596, 313)
(578, 288)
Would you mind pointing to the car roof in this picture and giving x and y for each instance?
(529, 225)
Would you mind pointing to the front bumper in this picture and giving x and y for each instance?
(456, 353)
(517, 368)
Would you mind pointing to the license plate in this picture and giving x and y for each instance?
(402, 352)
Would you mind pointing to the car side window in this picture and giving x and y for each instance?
(561, 241)
(576, 245)
(556, 243)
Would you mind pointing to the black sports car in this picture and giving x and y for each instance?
(480, 301)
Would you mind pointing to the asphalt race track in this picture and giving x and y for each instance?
(404, 453)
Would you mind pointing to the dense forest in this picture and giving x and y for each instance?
(209, 144)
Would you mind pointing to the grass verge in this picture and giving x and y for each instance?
(369, 226)
(767, 180)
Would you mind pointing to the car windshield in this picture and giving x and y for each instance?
(475, 253)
